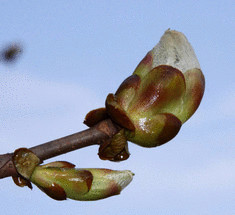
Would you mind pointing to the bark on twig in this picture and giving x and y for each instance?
(92, 136)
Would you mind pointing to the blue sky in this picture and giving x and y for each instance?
(75, 53)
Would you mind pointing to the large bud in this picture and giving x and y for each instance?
(164, 91)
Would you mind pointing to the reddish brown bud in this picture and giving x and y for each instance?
(115, 149)
(164, 91)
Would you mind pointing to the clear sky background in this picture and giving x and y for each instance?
(75, 53)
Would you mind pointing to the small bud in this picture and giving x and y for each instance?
(115, 149)
(25, 162)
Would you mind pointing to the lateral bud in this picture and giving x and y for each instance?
(61, 180)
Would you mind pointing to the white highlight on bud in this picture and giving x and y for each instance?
(107, 183)
(174, 50)
(122, 178)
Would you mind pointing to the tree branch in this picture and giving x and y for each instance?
(92, 136)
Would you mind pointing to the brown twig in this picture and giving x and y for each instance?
(92, 136)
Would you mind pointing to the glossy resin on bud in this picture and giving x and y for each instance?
(61, 180)
(164, 91)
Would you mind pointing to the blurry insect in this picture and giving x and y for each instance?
(11, 53)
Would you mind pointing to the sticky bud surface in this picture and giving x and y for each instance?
(164, 91)
(79, 184)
